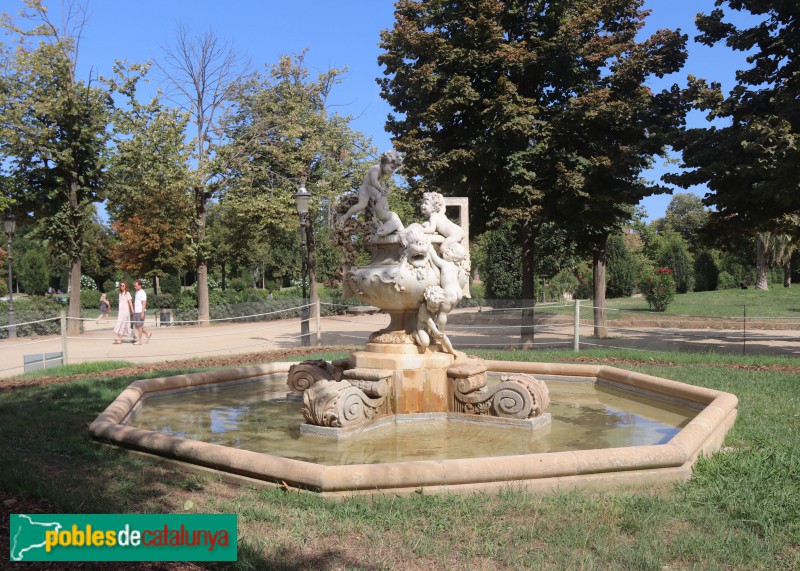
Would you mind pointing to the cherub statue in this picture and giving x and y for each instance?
(432, 208)
(371, 189)
(452, 278)
(432, 319)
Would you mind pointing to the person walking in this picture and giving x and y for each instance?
(104, 307)
(123, 326)
(139, 311)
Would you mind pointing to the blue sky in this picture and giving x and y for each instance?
(337, 34)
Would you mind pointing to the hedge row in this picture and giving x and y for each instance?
(32, 309)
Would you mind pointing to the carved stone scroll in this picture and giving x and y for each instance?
(537, 389)
(374, 382)
(304, 375)
(338, 404)
(516, 396)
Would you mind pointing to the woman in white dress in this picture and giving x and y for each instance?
(123, 326)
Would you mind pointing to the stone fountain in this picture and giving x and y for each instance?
(410, 372)
(417, 275)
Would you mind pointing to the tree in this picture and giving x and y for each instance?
(33, 274)
(148, 201)
(203, 73)
(706, 271)
(750, 158)
(97, 261)
(622, 271)
(785, 245)
(675, 255)
(776, 248)
(282, 135)
(53, 131)
(687, 216)
(533, 112)
(503, 276)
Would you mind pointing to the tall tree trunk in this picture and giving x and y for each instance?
(74, 312)
(527, 334)
(787, 272)
(761, 262)
(599, 287)
(203, 312)
(74, 323)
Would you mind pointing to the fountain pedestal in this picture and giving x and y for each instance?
(390, 381)
(419, 378)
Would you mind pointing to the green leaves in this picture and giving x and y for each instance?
(149, 186)
(280, 134)
(751, 160)
(530, 108)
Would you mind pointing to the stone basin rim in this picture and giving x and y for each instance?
(547, 471)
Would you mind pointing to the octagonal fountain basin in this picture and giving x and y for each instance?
(609, 428)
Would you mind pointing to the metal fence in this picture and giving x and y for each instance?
(506, 325)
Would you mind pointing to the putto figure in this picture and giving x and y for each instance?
(432, 319)
(371, 189)
(432, 208)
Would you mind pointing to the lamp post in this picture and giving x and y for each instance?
(302, 199)
(10, 224)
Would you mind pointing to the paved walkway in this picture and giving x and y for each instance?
(186, 342)
(467, 328)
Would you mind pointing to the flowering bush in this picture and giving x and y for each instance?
(658, 289)
(88, 283)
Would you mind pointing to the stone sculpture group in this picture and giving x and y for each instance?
(430, 282)
(417, 274)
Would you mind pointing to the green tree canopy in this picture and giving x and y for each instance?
(532, 109)
(53, 130)
(687, 216)
(750, 157)
(282, 134)
(148, 194)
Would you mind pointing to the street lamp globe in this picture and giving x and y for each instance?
(10, 223)
(301, 200)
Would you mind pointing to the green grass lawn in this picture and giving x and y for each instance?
(776, 305)
(741, 510)
(776, 302)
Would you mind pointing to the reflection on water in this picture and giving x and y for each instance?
(254, 416)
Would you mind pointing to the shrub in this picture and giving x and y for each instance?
(171, 284)
(155, 301)
(675, 256)
(620, 269)
(3, 288)
(88, 283)
(658, 289)
(90, 299)
(504, 264)
(29, 310)
(185, 307)
(706, 272)
(33, 273)
(239, 284)
(585, 289)
(564, 282)
(109, 286)
(726, 281)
